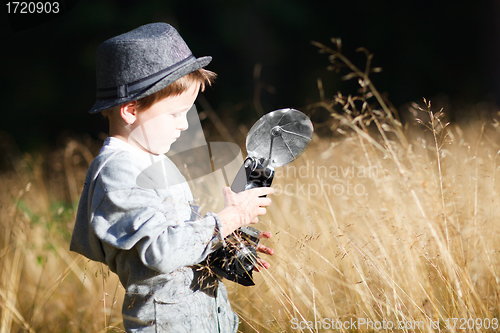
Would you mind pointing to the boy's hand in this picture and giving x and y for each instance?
(232, 198)
(264, 249)
(243, 208)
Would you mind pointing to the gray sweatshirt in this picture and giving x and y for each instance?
(136, 215)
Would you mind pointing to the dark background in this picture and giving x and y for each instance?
(446, 50)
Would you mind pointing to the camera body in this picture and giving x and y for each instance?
(276, 139)
(236, 260)
(258, 173)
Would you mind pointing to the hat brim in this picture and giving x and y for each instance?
(189, 67)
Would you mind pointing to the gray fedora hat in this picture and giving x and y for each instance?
(141, 62)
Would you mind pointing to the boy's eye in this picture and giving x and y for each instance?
(179, 114)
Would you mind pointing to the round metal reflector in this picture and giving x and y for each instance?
(279, 137)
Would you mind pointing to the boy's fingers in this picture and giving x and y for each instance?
(264, 201)
(261, 263)
(262, 190)
(265, 234)
(264, 249)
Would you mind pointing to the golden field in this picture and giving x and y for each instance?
(382, 223)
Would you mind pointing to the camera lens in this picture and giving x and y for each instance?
(246, 257)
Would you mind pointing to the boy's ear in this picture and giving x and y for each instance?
(128, 112)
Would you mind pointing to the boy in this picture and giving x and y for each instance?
(136, 213)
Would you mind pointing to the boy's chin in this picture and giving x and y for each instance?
(161, 150)
(155, 150)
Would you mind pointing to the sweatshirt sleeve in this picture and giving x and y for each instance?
(132, 218)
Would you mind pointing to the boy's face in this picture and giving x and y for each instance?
(159, 126)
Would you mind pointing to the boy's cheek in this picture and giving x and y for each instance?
(141, 137)
(150, 143)
(153, 135)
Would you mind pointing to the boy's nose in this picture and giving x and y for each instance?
(183, 123)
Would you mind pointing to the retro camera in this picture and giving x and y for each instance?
(276, 139)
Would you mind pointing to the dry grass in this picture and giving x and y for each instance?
(380, 222)
(44, 287)
(390, 250)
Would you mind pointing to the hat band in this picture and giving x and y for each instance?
(129, 89)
